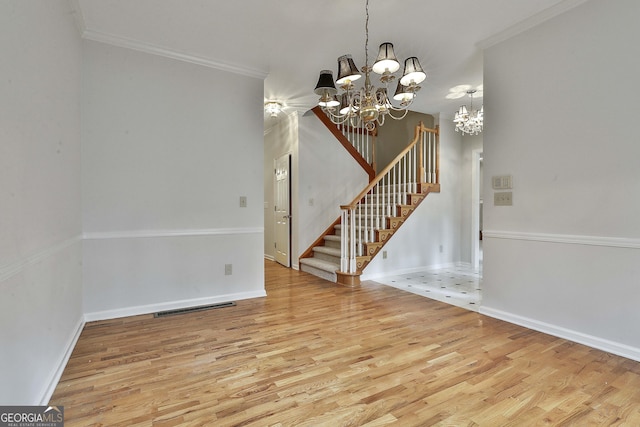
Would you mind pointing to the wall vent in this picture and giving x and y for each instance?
(193, 309)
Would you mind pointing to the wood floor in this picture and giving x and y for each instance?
(313, 353)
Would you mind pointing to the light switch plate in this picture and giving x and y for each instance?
(503, 182)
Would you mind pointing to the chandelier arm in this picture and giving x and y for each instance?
(402, 116)
(337, 119)
(405, 108)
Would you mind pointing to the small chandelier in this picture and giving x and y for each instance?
(469, 121)
(369, 105)
(273, 108)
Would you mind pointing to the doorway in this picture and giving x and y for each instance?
(476, 209)
(282, 198)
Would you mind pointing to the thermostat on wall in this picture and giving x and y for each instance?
(503, 182)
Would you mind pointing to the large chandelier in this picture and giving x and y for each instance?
(369, 105)
(469, 121)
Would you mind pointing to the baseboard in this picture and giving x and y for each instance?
(271, 258)
(172, 305)
(619, 349)
(465, 265)
(374, 276)
(62, 363)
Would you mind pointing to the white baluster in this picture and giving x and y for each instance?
(429, 160)
(434, 158)
(344, 239)
(365, 234)
(352, 249)
(403, 178)
(412, 172)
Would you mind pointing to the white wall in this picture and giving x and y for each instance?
(435, 223)
(327, 177)
(40, 227)
(168, 149)
(560, 108)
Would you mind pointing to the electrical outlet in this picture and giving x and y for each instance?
(384, 254)
(504, 198)
(228, 269)
(243, 201)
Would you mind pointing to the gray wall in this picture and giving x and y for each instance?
(164, 163)
(40, 227)
(560, 108)
(395, 135)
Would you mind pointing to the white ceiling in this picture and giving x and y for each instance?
(290, 41)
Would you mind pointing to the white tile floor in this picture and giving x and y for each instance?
(458, 286)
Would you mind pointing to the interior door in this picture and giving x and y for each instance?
(283, 210)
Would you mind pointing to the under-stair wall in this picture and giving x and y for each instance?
(432, 235)
(327, 176)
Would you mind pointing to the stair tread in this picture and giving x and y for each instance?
(332, 237)
(321, 264)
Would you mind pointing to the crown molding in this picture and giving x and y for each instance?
(529, 23)
(152, 49)
(78, 17)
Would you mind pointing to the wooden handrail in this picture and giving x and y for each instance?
(419, 129)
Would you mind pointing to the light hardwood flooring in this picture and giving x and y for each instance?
(313, 353)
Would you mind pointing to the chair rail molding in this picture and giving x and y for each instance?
(569, 239)
(10, 269)
(137, 234)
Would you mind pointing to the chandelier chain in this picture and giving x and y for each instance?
(366, 32)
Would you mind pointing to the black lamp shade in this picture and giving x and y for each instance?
(403, 93)
(347, 70)
(325, 83)
(386, 60)
(413, 72)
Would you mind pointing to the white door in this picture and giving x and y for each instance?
(283, 210)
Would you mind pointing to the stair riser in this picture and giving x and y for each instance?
(326, 257)
(332, 244)
(330, 276)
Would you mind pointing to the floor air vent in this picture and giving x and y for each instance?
(193, 309)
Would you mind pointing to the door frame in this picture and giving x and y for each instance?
(275, 198)
(476, 155)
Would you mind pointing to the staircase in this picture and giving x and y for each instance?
(366, 224)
